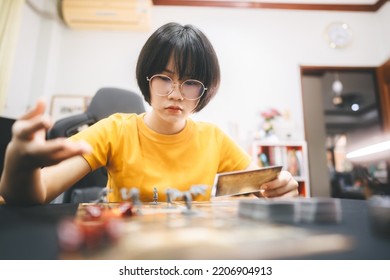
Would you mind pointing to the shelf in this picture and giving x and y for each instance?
(292, 155)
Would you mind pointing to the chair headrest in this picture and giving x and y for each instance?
(108, 101)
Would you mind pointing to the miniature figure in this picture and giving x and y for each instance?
(155, 196)
(102, 196)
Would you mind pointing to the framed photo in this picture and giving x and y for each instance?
(63, 106)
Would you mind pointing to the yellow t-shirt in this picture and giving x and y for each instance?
(136, 156)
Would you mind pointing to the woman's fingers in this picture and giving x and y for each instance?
(56, 150)
(32, 122)
(284, 185)
(29, 140)
(25, 129)
(38, 109)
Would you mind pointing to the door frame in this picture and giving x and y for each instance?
(318, 170)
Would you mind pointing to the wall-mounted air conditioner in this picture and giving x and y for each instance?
(107, 14)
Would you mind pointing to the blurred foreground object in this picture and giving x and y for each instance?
(379, 213)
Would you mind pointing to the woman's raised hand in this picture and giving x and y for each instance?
(30, 147)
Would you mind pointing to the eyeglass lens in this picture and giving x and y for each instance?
(163, 85)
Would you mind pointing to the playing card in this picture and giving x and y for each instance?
(319, 210)
(269, 210)
(243, 182)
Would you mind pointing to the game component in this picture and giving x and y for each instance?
(126, 209)
(297, 210)
(134, 195)
(198, 190)
(215, 230)
(70, 237)
(171, 195)
(268, 210)
(243, 182)
(155, 196)
(125, 194)
(76, 234)
(92, 212)
(102, 196)
(168, 193)
(187, 196)
(318, 210)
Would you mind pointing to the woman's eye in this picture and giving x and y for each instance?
(166, 79)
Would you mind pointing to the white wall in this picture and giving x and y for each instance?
(23, 65)
(260, 52)
(384, 27)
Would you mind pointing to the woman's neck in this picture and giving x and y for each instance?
(162, 126)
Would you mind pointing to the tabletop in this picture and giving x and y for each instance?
(213, 231)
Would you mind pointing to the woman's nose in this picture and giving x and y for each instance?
(175, 92)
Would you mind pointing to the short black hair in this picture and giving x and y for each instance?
(193, 54)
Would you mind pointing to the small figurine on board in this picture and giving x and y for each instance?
(134, 195)
(125, 194)
(102, 196)
(172, 194)
(155, 196)
(169, 198)
(198, 189)
(187, 196)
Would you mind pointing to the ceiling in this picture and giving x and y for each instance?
(358, 88)
(330, 5)
(318, 1)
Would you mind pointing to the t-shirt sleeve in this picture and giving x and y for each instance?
(101, 136)
(232, 156)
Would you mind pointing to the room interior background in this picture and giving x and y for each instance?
(260, 52)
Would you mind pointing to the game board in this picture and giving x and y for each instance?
(208, 230)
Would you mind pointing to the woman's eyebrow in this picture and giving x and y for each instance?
(169, 71)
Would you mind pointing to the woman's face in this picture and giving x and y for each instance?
(172, 108)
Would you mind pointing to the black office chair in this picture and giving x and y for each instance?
(106, 101)
(5, 137)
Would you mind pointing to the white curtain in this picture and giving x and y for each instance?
(10, 17)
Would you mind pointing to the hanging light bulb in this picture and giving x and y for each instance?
(337, 86)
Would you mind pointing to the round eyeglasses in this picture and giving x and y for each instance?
(163, 85)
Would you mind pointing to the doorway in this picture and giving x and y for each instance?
(342, 108)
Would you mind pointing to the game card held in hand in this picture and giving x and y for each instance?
(244, 182)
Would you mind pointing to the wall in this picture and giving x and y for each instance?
(315, 131)
(260, 52)
(384, 29)
(23, 66)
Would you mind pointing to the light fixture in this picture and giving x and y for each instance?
(337, 88)
(355, 107)
(337, 85)
(337, 100)
(374, 152)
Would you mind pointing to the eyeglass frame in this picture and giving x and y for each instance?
(180, 86)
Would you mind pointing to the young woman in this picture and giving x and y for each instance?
(178, 74)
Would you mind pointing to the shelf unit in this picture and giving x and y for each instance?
(292, 155)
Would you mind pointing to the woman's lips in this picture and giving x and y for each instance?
(174, 108)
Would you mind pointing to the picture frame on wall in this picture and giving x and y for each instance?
(63, 106)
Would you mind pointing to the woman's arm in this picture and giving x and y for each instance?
(23, 181)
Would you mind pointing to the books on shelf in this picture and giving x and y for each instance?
(291, 155)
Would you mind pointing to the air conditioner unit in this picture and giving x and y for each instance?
(107, 14)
